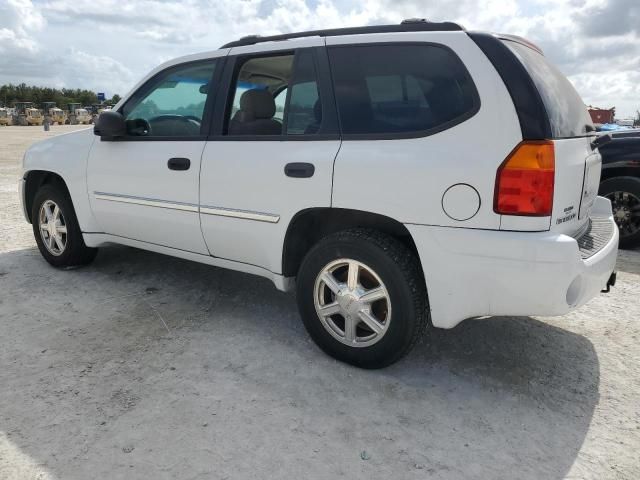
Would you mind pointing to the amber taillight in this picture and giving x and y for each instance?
(524, 182)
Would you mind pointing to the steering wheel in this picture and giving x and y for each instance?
(138, 127)
(191, 122)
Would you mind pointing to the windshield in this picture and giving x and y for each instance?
(567, 112)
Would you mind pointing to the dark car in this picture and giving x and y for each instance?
(620, 183)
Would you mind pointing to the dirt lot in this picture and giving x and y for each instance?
(144, 366)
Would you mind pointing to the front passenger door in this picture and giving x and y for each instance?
(145, 186)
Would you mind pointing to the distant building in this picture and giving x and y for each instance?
(602, 115)
(625, 122)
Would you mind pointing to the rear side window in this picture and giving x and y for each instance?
(567, 112)
(276, 95)
(400, 90)
(304, 115)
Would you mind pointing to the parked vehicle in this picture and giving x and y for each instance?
(77, 115)
(95, 110)
(20, 115)
(46, 110)
(33, 116)
(5, 116)
(359, 166)
(58, 116)
(611, 127)
(620, 183)
(83, 117)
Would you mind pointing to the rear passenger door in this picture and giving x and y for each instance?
(271, 151)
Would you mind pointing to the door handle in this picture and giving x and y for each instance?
(299, 170)
(179, 164)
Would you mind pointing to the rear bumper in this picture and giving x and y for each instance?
(473, 273)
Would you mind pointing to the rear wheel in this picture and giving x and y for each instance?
(624, 193)
(56, 229)
(362, 297)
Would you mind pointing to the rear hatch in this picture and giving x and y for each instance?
(577, 165)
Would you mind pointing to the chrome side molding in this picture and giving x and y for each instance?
(244, 214)
(189, 207)
(148, 202)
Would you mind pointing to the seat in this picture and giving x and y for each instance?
(255, 116)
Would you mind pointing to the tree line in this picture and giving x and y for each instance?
(10, 94)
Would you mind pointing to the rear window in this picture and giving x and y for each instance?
(400, 89)
(567, 112)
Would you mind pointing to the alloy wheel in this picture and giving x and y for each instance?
(352, 303)
(53, 228)
(626, 212)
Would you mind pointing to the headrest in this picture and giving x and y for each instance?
(258, 103)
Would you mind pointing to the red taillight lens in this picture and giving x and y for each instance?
(524, 183)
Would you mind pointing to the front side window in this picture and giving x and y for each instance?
(276, 95)
(400, 89)
(172, 104)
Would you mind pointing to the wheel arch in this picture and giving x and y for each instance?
(619, 171)
(308, 226)
(34, 180)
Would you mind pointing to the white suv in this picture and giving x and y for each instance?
(396, 176)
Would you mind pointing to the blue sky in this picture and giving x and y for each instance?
(107, 45)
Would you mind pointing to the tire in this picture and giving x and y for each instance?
(75, 252)
(382, 261)
(624, 193)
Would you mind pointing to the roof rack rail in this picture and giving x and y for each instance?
(409, 25)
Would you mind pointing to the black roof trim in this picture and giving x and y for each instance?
(532, 114)
(406, 26)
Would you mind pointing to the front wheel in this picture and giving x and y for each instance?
(362, 297)
(56, 229)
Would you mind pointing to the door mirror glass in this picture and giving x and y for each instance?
(110, 125)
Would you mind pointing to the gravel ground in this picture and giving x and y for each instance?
(145, 366)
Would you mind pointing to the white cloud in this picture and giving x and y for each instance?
(20, 23)
(109, 44)
(26, 56)
(91, 69)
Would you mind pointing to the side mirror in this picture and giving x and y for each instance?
(110, 125)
